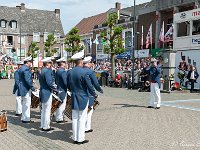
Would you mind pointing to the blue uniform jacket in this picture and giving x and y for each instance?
(25, 81)
(155, 74)
(16, 77)
(47, 84)
(80, 85)
(61, 78)
(94, 82)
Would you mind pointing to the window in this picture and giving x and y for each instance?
(36, 36)
(3, 23)
(183, 29)
(99, 46)
(13, 24)
(57, 54)
(88, 44)
(128, 40)
(45, 36)
(196, 27)
(22, 39)
(23, 52)
(57, 37)
(10, 40)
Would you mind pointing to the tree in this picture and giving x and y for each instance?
(73, 41)
(112, 43)
(33, 49)
(50, 42)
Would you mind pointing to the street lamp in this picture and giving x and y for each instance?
(20, 32)
(134, 43)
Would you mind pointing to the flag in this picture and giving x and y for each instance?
(96, 41)
(149, 37)
(169, 34)
(142, 38)
(162, 34)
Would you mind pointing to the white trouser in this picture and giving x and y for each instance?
(60, 110)
(78, 124)
(155, 92)
(8, 76)
(46, 113)
(89, 120)
(26, 103)
(18, 104)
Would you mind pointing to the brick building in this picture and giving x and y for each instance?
(35, 25)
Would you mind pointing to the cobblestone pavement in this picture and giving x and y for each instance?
(121, 122)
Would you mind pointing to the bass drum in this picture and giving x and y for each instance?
(56, 101)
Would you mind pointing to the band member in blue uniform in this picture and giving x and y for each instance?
(79, 84)
(87, 65)
(61, 76)
(47, 85)
(15, 91)
(155, 71)
(24, 89)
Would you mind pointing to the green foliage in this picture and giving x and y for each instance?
(33, 49)
(72, 41)
(112, 41)
(50, 42)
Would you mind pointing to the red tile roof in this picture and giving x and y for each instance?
(86, 25)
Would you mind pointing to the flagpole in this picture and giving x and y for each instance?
(134, 43)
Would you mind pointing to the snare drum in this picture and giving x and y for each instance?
(68, 108)
(56, 101)
(3, 121)
(35, 100)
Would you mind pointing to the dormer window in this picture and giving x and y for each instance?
(13, 24)
(3, 23)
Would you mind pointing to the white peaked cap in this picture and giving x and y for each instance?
(47, 59)
(87, 59)
(78, 55)
(28, 58)
(20, 63)
(153, 59)
(63, 59)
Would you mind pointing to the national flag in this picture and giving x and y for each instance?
(142, 38)
(162, 33)
(169, 34)
(149, 37)
(96, 41)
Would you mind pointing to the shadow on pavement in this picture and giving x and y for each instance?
(128, 105)
(62, 131)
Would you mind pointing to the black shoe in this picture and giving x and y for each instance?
(86, 141)
(89, 131)
(18, 114)
(28, 121)
(157, 108)
(75, 142)
(46, 130)
(63, 121)
(150, 107)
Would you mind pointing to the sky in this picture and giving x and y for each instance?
(72, 11)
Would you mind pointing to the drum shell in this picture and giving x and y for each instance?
(35, 100)
(56, 102)
(3, 121)
(68, 108)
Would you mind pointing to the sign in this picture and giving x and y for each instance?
(187, 15)
(142, 53)
(196, 41)
(102, 56)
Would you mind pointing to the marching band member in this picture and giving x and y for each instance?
(61, 76)
(18, 98)
(155, 71)
(87, 65)
(47, 85)
(24, 89)
(79, 84)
